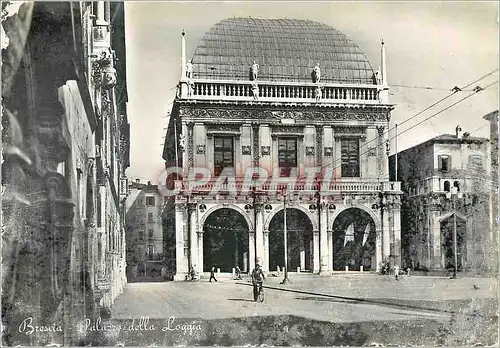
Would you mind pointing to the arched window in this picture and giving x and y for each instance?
(457, 185)
(447, 186)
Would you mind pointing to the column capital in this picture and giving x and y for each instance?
(316, 232)
(251, 232)
(266, 233)
(200, 233)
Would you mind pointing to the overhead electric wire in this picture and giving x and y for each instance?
(422, 111)
(426, 119)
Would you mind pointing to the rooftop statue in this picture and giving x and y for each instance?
(378, 76)
(255, 70)
(316, 75)
(189, 70)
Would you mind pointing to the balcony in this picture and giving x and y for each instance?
(241, 187)
(294, 92)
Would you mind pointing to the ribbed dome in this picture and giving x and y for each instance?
(285, 49)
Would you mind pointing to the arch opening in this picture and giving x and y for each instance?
(225, 241)
(354, 234)
(299, 241)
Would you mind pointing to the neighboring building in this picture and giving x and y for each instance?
(63, 252)
(428, 173)
(290, 97)
(144, 231)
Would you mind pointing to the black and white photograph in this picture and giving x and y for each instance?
(250, 173)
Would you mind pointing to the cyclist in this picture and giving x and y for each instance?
(257, 279)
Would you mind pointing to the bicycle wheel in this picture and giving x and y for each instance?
(261, 296)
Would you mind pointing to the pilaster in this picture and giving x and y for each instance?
(266, 251)
(200, 251)
(180, 223)
(324, 252)
(316, 261)
(386, 234)
(251, 249)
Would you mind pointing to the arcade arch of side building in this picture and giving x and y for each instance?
(230, 114)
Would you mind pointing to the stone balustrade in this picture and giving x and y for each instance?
(281, 92)
(338, 186)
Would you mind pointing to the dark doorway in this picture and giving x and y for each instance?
(225, 241)
(354, 240)
(299, 241)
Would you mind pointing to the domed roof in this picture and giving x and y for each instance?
(285, 49)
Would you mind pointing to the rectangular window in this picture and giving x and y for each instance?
(150, 233)
(150, 217)
(223, 154)
(141, 235)
(151, 251)
(349, 153)
(444, 163)
(150, 201)
(287, 155)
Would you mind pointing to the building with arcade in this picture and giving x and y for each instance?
(275, 113)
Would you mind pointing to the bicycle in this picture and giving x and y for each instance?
(259, 294)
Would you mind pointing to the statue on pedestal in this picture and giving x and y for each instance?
(255, 91)
(378, 76)
(318, 94)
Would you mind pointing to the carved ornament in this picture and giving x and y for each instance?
(200, 149)
(265, 150)
(246, 150)
(381, 116)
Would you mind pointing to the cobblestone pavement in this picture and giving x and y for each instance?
(334, 298)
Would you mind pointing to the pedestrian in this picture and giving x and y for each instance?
(238, 272)
(396, 271)
(212, 275)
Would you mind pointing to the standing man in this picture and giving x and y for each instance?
(212, 275)
(257, 279)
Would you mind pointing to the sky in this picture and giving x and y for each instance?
(428, 44)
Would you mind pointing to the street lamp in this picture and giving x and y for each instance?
(453, 194)
(285, 279)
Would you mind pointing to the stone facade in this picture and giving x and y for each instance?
(213, 121)
(428, 172)
(64, 155)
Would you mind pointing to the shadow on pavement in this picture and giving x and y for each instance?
(240, 299)
(432, 306)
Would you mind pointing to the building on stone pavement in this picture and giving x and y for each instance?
(144, 231)
(65, 151)
(432, 174)
(318, 146)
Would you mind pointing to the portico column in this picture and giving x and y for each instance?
(266, 251)
(386, 236)
(259, 234)
(323, 239)
(330, 249)
(396, 219)
(251, 250)
(193, 222)
(378, 250)
(316, 262)
(180, 263)
(302, 253)
(200, 252)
